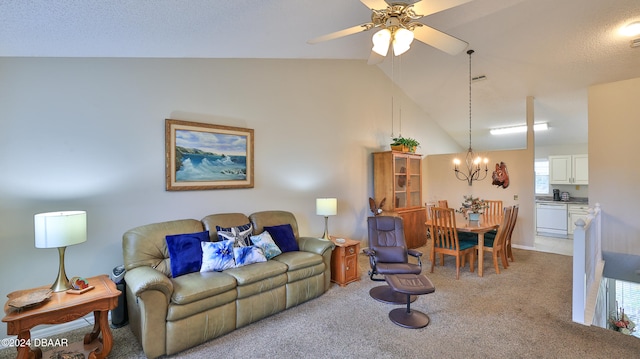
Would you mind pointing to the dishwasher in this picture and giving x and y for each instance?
(551, 219)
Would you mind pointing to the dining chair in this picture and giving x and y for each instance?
(494, 208)
(496, 245)
(445, 239)
(512, 225)
(443, 203)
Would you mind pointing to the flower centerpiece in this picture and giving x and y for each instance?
(472, 207)
(620, 322)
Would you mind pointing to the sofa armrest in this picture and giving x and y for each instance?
(315, 245)
(323, 248)
(143, 278)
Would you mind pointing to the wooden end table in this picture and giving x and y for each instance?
(344, 261)
(64, 307)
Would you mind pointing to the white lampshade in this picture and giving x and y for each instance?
(60, 229)
(326, 206)
(402, 39)
(381, 40)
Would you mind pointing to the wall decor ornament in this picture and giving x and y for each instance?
(202, 156)
(500, 176)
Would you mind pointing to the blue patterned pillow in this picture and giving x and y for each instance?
(185, 252)
(284, 237)
(240, 234)
(266, 243)
(217, 256)
(248, 255)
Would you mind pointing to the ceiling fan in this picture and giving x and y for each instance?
(398, 27)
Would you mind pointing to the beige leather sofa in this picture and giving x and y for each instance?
(169, 315)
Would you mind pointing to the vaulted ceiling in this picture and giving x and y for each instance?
(549, 49)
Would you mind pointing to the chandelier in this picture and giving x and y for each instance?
(473, 162)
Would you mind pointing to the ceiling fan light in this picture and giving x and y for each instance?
(402, 39)
(403, 36)
(381, 41)
(399, 49)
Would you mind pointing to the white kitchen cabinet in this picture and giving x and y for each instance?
(569, 169)
(575, 212)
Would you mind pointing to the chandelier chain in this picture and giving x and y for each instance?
(470, 52)
(474, 171)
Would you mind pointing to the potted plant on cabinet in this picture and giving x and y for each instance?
(404, 144)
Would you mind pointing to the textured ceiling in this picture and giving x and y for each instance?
(552, 50)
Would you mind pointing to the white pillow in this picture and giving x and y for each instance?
(217, 256)
(248, 255)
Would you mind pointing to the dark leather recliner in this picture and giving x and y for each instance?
(388, 254)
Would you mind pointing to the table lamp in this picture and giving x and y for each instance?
(59, 230)
(326, 207)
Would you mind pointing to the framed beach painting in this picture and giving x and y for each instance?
(201, 156)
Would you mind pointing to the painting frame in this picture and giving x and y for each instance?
(203, 156)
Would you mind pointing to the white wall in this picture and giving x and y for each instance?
(89, 134)
(613, 171)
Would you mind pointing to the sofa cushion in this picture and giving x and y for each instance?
(195, 286)
(284, 237)
(147, 245)
(185, 252)
(299, 260)
(248, 255)
(266, 243)
(273, 218)
(217, 256)
(256, 272)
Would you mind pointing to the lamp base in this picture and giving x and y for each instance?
(62, 282)
(326, 236)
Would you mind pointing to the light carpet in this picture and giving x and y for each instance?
(524, 312)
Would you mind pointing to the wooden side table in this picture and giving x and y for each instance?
(344, 262)
(63, 307)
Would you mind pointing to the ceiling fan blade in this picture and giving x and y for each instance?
(428, 7)
(375, 58)
(375, 4)
(439, 39)
(334, 35)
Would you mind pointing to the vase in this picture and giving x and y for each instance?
(474, 217)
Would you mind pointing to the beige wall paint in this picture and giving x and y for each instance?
(614, 126)
(441, 182)
(89, 134)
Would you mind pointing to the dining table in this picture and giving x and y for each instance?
(485, 224)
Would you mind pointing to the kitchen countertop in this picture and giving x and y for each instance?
(572, 200)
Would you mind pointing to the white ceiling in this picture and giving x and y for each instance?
(550, 49)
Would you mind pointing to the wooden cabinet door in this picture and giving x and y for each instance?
(415, 229)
